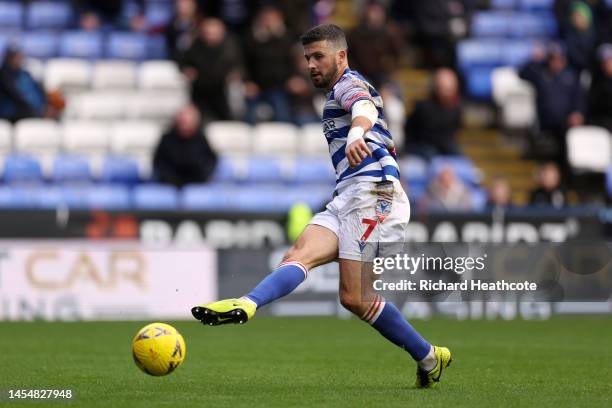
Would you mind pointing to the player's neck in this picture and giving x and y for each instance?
(336, 78)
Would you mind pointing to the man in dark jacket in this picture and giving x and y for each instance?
(20, 95)
(212, 61)
(600, 94)
(183, 155)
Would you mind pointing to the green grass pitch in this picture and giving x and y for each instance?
(317, 362)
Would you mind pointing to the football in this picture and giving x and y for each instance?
(158, 349)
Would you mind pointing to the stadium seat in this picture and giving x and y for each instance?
(38, 136)
(479, 52)
(479, 199)
(261, 199)
(156, 47)
(12, 197)
(159, 14)
(313, 170)
(39, 44)
(120, 169)
(113, 75)
(124, 45)
(49, 14)
(71, 168)
(207, 197)
(490, 24)
(533, 25)
(36, 68)
(6, 135)
(536, 4)
(463, 167)
(11, 14)
(157, 105)
(62, 73)
(99, 105)
(22, 168)
(609, 181)
(515, 97)
(413, 168)
(155, 197)
(275, 138)
(589, 148)
(229, 137)
(478, 82)
(108, 197)
(160, 75)
(311, 140)
(503, 4)
(48, 197)
(517, 52)
(80, 44)
(505, 81)
(264, 170)
(85, 137)
(227, 170)
(138, 140)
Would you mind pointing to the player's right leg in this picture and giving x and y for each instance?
(316, 246)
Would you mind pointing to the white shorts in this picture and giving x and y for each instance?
(364, 214)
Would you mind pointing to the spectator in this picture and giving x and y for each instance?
(211, 62)
(395, 113)
(499, 195)
(301, 92)
(446, 192)
(548, 193)
(182, 28)
(440, 24)
(20, 95)
(94, 14)
(432, 127)
(268, 55)
(600, 94)
(580, 37)
(183, 155)
(376, 44)
(559, 97)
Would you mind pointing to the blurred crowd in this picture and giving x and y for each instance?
(242, 61)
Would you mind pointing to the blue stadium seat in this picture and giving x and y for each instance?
(463, 167)
(479, 199)
(491, 24)
(129, 9)
(225, 171)
(207, 197)
(108, 197)
(48, 197)
(478, 82)
(120, 169)
(537, 25)
(132, 46)
(264, 170)
(315, 196)
(483, 52)
(609, 181)
(536, 4)
(155, 197)
(413, 168)
(261, 198)
(156, 47)
(517, 52)
(81, 44)
(503, 4)
(39, 44)
(415, 190)
(14, 197)
(68, 168)
(159, 14)
(49, 14)
(19, 168)
(313, 170)
(11, 14)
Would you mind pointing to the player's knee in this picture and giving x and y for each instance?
(351, 302)
(296, 254)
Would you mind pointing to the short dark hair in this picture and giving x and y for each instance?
(329, 32)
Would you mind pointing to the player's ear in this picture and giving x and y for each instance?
(341, 56)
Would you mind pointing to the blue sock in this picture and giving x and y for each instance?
(389, 322)
(279, 283)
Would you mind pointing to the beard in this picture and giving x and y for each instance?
(323, 81)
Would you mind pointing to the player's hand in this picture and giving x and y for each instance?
(357, 151)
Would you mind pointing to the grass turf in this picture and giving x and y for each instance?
(323, 362)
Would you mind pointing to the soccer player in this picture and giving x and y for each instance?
(369, 206)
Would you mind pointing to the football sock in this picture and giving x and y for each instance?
(279, 283)
(429, 362)
(389, 322)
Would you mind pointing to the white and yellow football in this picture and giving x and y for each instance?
(158, 349)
